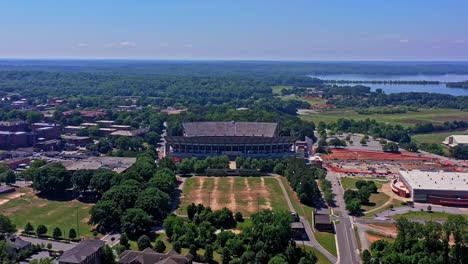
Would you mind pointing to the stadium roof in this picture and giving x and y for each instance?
(436, 180)
(222, 129)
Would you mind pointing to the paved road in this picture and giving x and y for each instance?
(55, 245)
(419, 206)
(347, 247)
(312, 242)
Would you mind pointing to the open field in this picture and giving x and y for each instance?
(376, 200)
(436, 116)
(394, 202)
(424, 215)
(239, 194)
(436, 137)
(61, 214)
(350, 182)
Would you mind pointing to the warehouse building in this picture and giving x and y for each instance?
(233, 139)
(436, 187)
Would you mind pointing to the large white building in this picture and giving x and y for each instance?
(456, 140)
(437, 187)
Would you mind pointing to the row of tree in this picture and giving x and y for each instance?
(429, 242)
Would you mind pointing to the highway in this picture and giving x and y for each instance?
(347, 246)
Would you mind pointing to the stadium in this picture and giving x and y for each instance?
(233, 139)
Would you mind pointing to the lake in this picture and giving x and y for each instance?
(399, 88)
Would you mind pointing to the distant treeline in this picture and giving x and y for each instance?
(463, 85)
(235, 68)
(382, 82)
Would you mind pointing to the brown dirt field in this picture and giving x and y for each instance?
(227, 194)
(387, 228)
(345, 154)
(452, 118)
(372, 238)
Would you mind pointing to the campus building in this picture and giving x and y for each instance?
(436, 187)
(233, 139)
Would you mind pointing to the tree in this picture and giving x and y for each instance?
(239, 218)
(72, 233)
(9, 177)
(278, 259)
(29, 229)
(354, 206)
(226, 257)
(208, 256)
(41, 230)
(185, 167)
(124, 241)
(6, 226)
(102, 180)
(390, 147)
(49, 246)
(143, 242)
(155, 203)
(57, 233)
(364, 195)
(52, 180)
(165, 180)
(337, 142)
(108, 256)
(167, 163)
(176, 247)
(429, 208)
(136, 222)
(363, 141)
(160, 247)
(81, 180)
(42, 261)
(191, 211)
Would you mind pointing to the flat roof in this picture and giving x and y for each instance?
(117, 164)
(436, 180)
(460, 139)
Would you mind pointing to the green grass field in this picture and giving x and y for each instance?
(394, 202)
(61, 214)
(436, 116)
(424, 215)
(436, 137)
(350, 182)
(327, 240)
(239, 194)
(377, 199)
(276, 90)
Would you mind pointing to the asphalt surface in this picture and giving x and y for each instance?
(347, 246)
(55, 245)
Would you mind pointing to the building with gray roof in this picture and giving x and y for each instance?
(86, 252)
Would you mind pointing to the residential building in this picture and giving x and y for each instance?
(149, 256)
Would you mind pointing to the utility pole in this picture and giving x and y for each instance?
(77, 226)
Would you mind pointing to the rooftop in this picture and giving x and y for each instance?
(220, 129)
(436, 180)
(81, 251)
(149, 256)
(457, 139)
(117, 164)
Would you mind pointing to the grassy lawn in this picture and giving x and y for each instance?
(376, 199)
(424, 215)
(240, 194)
(292, 196)
(311, 101)
(436, 137)
(321, 259)
(276, 90)
(61, 214)
(350, 182)
(327, 240)
(436, 116)
(394, 202)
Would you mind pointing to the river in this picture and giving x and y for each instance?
(399, 88)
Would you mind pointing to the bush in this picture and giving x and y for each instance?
(41, 230)
(239, 218)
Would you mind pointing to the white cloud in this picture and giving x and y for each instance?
(404, 40)
(460, 41)
(189, 46)
(128, 44)
(82, 44)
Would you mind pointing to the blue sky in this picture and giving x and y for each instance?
(235, 29)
